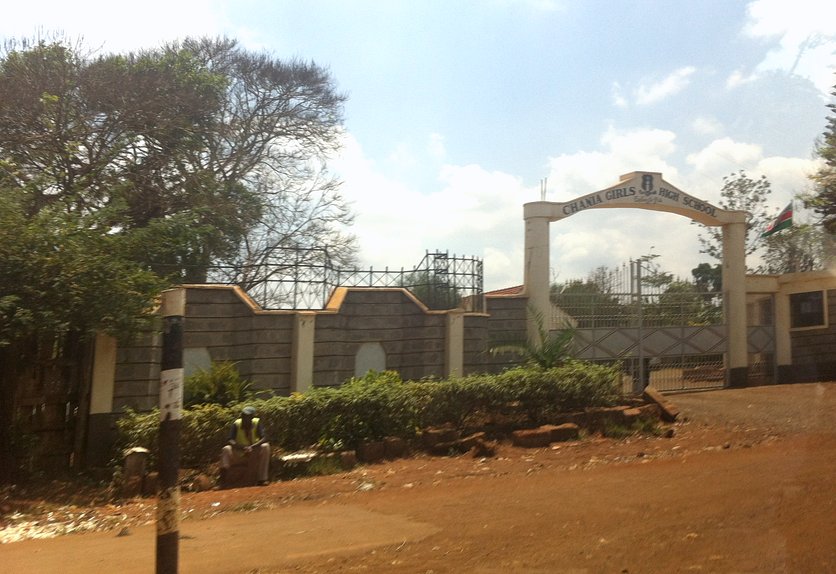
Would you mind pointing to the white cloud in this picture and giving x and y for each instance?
(115, 27)
(787, 175)
(403, 156)
(576, 174)
(738, 78)
(704, 125)
(666, 87)
(435, 147)
(473, 212)
(725, 155)
(618, 98)
(805, 34)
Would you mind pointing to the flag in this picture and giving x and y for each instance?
(783, 221)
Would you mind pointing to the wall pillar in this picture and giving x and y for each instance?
(101, 418)
(536, 275)
(302, 352)
(783, 341)
(734, 302)
(454, 344)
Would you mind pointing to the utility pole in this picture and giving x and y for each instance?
(171, 404)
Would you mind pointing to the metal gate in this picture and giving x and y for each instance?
(663, 331)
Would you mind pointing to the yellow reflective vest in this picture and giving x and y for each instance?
(246, 439)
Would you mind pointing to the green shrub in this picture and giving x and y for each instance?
(381, 404)
(221, 385)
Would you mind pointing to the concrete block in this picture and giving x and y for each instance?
(563, 432)
(532, 438)
(371, 451)
(394, 447)
(669, 410)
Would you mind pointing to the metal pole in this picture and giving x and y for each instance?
(640, 385)
(171, 402)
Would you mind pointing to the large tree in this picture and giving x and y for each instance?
(213, 154)
(823, 200)
(740, 192)
(62, 279)
(277, 126)
(119, 169)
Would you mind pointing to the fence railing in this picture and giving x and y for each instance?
(306, 278)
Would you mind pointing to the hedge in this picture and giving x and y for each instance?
(381, 404)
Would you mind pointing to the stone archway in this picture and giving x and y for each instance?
(648, 190)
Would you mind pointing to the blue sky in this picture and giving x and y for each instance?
(458, 109)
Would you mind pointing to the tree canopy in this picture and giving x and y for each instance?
(823, 200)
(201, 152)
(123, 173)
(740, 192)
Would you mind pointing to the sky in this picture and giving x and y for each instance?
(459, 111)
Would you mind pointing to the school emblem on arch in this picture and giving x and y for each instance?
(647, 182)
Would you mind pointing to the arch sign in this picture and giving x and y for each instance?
(647, 190)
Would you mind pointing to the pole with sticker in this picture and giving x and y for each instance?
(171, 404)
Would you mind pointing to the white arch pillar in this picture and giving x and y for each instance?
(734, 302)
(536, 275)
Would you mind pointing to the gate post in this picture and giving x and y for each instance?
(536, 276)
(734, 300)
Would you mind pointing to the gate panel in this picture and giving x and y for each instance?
(663, 332)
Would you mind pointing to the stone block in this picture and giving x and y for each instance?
(394, 447)
(348, 459)
(669, 410)
(600, 417)
(532, 438)
(650, 411)
(371, 451)
(471, 441)
(483, 449)
(564, 432)
(434, 436)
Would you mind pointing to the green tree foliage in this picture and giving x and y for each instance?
(740, 192)
(823, 200)
(803, 247)
(434, 290)
(121, 172)
(707, 277)
(682, 304)
(62, 279)
(202, 152)
(591, 303)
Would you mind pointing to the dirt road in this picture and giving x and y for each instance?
(746, 484)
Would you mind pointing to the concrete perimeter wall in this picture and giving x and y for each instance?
(814, 350)
(223, 324)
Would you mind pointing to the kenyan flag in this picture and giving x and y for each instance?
(783, 221)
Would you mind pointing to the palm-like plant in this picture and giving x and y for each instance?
(550, 349)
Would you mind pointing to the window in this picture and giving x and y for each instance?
(807, 310)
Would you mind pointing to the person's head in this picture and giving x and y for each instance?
(247, 414)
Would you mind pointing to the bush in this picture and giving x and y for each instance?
(381, 404)
(221, 384)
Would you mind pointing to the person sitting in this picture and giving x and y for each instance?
(247, 443)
